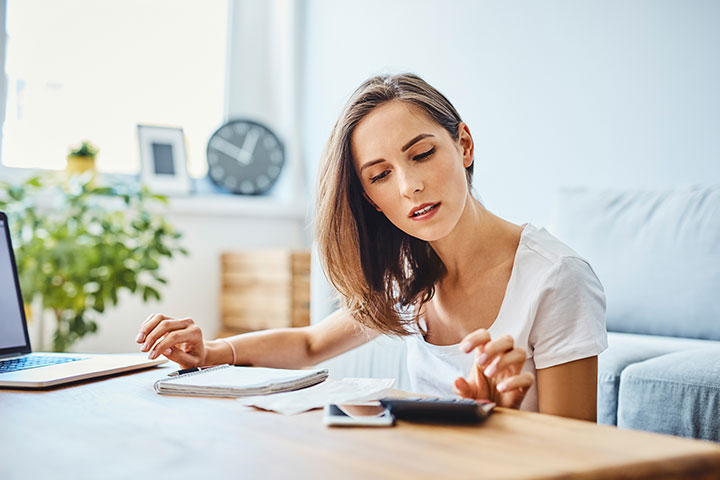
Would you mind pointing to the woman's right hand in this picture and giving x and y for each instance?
(497, 373)
(180, 340)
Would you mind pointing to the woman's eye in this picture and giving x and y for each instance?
(424, 155)
(379, 177)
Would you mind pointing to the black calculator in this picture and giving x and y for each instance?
(438, 410)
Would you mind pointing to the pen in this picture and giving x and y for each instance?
(187, 370)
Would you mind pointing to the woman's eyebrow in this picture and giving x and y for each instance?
(415, 140)
(370, 164)
(404, 148)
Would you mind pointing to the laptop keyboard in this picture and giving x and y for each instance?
(25, 363)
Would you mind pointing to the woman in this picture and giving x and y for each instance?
(490, 309)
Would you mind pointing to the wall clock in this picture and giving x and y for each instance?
(244, 157)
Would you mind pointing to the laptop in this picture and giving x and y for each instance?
(19, 366)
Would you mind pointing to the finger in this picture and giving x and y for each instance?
(148, 325)
(475, 339)
(178, 356)
(518, 382)
(462, 388)
(514, 359)
(494, 348)
(161, 325)
(141, 335)
(165, 326)
(172, 339)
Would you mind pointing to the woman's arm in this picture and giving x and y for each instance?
(569, 389)
(293, 347)
(181, 341)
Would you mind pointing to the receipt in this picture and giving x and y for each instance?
(330, 391)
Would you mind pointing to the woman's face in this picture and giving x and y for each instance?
(411, 169)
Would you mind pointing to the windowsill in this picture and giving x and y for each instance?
(205, 199)
(236, 205)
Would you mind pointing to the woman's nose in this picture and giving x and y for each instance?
(410, 183)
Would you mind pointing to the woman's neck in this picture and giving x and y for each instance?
(479, 242)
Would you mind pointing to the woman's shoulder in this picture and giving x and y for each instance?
(546, 258)
(543, 243)
(566, 301)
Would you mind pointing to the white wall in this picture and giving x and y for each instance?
(556, 93)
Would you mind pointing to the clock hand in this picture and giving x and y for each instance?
(249, 145)
(226, 147)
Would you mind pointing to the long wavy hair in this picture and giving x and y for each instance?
(382, 274)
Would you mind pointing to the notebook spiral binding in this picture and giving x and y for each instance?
(197, 372)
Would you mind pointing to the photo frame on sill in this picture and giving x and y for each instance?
(163, 159)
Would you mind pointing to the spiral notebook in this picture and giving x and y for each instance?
(231, 381)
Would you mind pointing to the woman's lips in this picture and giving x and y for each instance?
(428, 214)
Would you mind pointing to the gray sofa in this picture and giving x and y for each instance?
(657, 254)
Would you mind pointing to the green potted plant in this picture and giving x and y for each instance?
(82, 158)
(78, 244)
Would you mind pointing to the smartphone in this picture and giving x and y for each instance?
(439, 410)
(365, 414)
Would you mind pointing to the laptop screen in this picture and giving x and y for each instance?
(12, 326)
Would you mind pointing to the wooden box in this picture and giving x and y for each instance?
(264, 289)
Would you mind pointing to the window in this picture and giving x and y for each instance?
(88, 70)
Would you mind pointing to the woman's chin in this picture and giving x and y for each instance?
(430, 233)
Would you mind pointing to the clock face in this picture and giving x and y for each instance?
(244, 157)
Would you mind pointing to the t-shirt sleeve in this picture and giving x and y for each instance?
(569, 319)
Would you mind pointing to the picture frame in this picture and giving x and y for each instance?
(163, 159)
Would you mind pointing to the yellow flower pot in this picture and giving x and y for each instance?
(77, 164)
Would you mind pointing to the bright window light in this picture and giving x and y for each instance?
(93, 70)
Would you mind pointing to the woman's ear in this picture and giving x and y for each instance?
(367, 197)
(467, 144)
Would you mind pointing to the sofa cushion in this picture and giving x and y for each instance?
(657, 254)
(677, 393)
(625, 349)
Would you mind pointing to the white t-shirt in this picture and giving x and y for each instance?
(554, 308)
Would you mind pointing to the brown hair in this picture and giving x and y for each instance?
(380, 271)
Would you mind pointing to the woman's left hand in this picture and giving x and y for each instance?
(497, 370)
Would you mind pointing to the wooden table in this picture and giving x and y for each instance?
(119, 428)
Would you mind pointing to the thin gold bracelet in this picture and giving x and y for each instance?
(232, 347)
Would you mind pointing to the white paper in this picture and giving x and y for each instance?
(227, 381)
(330, 391)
